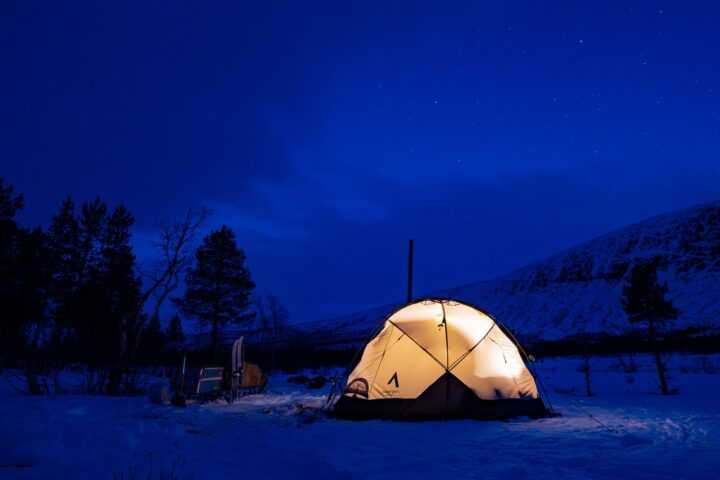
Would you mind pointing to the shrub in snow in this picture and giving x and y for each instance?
(706, 365)
(173, 471)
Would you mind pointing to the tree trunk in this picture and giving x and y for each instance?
(658, 359)
(214, 339)
(114, 380)
(586, 358)
(31, 371)
(215, 323)
(118, 367)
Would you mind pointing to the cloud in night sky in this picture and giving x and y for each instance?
(327, 135)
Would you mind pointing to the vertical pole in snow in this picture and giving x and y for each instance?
(586, 366)
(178, 400)
(410, 272)
(182, 378)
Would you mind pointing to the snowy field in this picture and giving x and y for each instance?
(625, 431)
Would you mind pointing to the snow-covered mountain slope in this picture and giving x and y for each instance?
(578, 290)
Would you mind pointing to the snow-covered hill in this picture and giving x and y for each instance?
(578, 290)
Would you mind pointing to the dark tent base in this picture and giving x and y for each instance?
(447, 398)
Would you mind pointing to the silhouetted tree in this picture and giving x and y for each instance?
(33, 283)
(273, 317)
(92, 224)
(10, 321)
(77, 292)
(174, 332)
(586, 354)
(218, 285)
(94, 285)
(173, 247)
(94, 282)
(121, 287)
(25, 267)
(174, 338)
(77, 286)
(9, 228)
(64, 249)
(152, 343)
(643, 300)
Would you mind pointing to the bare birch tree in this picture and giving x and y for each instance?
(174, 246)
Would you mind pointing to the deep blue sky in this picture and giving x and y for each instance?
(327, 135)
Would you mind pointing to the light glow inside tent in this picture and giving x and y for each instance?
(428, 345)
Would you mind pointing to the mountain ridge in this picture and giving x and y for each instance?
(577, 289)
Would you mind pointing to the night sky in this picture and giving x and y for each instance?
(326, 135)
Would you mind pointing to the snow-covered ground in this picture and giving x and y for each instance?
(625, 431)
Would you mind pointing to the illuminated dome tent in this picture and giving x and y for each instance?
(440, 359)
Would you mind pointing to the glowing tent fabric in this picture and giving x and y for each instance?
(440, 359)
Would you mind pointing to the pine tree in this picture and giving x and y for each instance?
(117, 262)
(9, 206)
(34, 280)
(152, 343)
(94, 283)
(116, 275)
(92, 224)
(65, 252)
(10, 321)
(91, 301)
(25, 267)
(218, 285)
(174, 332)
(643, 300)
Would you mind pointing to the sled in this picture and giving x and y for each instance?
(202, 383)
(247, 378)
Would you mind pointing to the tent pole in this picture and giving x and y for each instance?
(410, 271)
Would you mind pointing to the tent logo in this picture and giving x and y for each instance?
(395, 379)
